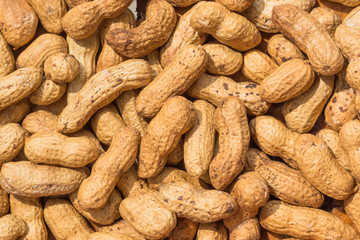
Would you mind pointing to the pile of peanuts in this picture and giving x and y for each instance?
(206, 120)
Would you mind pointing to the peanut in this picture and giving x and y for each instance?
(349, 3)
(122, 227)
(351, 206)
(230, 121)
(63, 220)
(7, 62)
(143, 209)
(281, 49)
(40, 49)
(12, 138)
(222, 60)
(177, 155)
(347, 39)
(352, 18)
(15, 113)
(196, 204)
(133, 73)
(200, 140)
(82, 20)
(129, 183)
(215, 230)
(54, 108)
(47, 93)
(282, 218)
(185, 229)
(139, 41)
(18, 22)
(154, 62)
(248, 230)
(175, 79)
(310, 37)
(301, 113)
(105, 122)
(318, 165)
(182, 3)
(61, 68)
(73, 3)
(40, 121)
(27, 179)
(237, 5)
(50, 13)
(257, 66)
(4, 202)
(11, 227)
(31, 212)
(227, 27)
(107, 236)
(328, 18)
(91, 136)
(216, 89)
(238, 218)
(176, 117)
(352, 77)
(95, 190)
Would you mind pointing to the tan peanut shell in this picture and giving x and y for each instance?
(15, 113)
(349, 3)
(237, 218)
(177, 155)
(40, 121)
(222, 60)
(31, 212)
(176, 117)
(50, 13)
(105, 215)
(260, 12)
(107, 236)
(154, 62)
(290, 80)
(139, 41)
(47, 93)
(182, 36)
(318, 165)
(328, 18)
(341, 106)
(18, 22)
(274, 138)
(197, 204)
(130, 183)
(199, 141)
(108, 57)
(54, 108)
(182, 3)
(257, 66)
(27, 179)
(11, 227)
(281, 49)
(230, 121)
(7, 60)
(282, 218)
(61, 68)
(214, 230)
(347, 39)
(237, 5)
(175, 79)
(333, 141)
(351, 206)
(349, 139)
(18, 85)
(339, 211)
(12, 139)
(95, 190)
(285, 183)
(143, 209)
(352, 76)
(301, 113)
(56, 149)
(84, 51)
(227, 27)
(105, 122)
(309, 36)
(126, 104)
(133, 73)
(73, 3)
(4, 202)
(63, 220)
(215, 89)
(352, 18)
(250, 191)
(82, 21)
(90, 135)
(171, 174)
(248, 230)
(185, 229)
(40, 49)
(122, 227)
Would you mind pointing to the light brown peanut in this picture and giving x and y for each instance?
(133, 73)
(12, 139)
(185, 229)
(95, 190)
(230, 121)
(197, 204)
(129, 183)
(105, 122)
(31, 212)
(352, 77)
(281, 49)
(4, 202)
(54, 108)
(139, 41)
(73, 3)
(218, 88)
(11, 227)
(63, 220)
(328, 18)
(238, 218)
(347, 39)
(47, 93)
(154, 62)
(27, 179)
(257, 66)
(351, 206)
(7, 60)
(107, 236)
(237, 5)
(61, 68)
(309, 36)
(40, 121)
(186, 67)
(90, 135)
(349, 3)
(214, 231)
(143, 209)
(123, 227)
(200, 140)
(177, 155)
(182, 3)
(227, 27)
(352, 18)
(248, 230)
(15, 113)
(176, 117)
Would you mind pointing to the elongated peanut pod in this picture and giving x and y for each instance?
(351, 206)
(40, 121)
(282, 49)
(11, 227)
(185, 229)
(12, 140)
